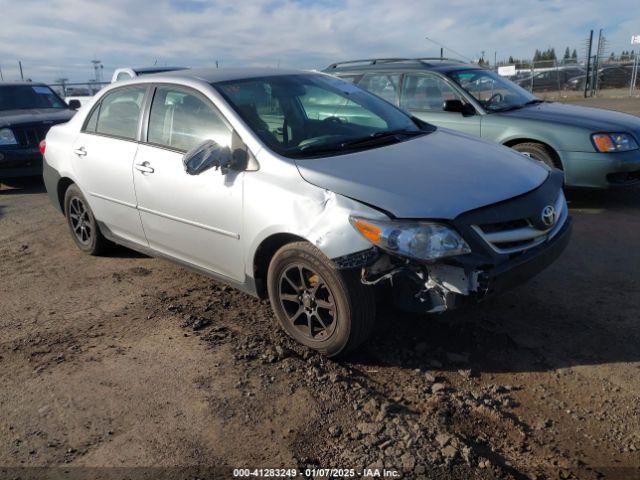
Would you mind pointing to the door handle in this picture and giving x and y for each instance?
(81, 152)
(144, 167)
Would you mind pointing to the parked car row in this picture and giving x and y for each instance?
(549, 80)
(574, 78)
(318, 192)
(610, 76)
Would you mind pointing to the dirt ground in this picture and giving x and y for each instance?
(112, 365)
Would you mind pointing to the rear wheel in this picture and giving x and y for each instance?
(82, 224)
(537, 151)
(326, 309)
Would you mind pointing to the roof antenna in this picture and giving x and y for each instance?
(442, 47)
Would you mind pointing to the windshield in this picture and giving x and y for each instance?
(22, 97)
(308, 115)
(493, 92)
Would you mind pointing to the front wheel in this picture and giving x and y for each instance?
(82, 224)
(323, 308)
(537, 151)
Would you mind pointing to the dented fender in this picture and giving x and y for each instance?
(315, 214)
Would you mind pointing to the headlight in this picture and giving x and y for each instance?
(419, 240)
(613, 142)
(7, 137)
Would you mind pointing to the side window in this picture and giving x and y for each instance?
(119, 112)
(383, 85)
(182, 120)
(425, 92)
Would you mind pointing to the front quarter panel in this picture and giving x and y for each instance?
(503, 129)
(278, 200)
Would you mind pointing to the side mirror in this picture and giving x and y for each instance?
(459, 107)
(209, 154)
(74, 104)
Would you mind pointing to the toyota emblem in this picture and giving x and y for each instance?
(548, 216)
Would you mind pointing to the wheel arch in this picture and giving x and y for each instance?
(263, 255)
(61, 189)
(550, 149)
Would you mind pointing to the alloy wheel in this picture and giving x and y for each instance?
(307, 302)
(80, 221)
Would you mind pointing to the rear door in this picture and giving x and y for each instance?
(423, 94)
(103, 157)
(196, 219)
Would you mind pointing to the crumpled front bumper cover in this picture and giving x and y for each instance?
(432, 288)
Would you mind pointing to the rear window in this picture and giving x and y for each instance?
(23, 97)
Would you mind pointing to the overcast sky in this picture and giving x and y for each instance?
(56, 38)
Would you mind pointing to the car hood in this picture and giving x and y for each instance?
(594, 119)
(438, 175)
(34, 115)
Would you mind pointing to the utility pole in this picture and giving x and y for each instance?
(586, 78)
(495, 59)
(441, 53)
(20, 65)
(63, 82)
(97, 64)
(1, 76)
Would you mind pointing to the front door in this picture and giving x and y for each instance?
(193, 218)
(103, 156)
(424, 94)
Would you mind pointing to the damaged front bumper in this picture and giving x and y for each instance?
(439, 286)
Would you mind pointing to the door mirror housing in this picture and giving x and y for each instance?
(211, 155)
(457, 106)
(74, 104)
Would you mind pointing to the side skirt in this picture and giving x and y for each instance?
(248, 286)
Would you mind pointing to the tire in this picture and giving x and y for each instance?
(82, 223)
(303, 312)
(537, 151)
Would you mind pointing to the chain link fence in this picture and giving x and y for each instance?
(554, 80)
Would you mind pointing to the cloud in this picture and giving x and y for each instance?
(57, 38)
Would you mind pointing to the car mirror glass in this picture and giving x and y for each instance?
(453, 106)
(206, 155)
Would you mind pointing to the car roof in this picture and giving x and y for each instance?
(381, 64)
(215, 75)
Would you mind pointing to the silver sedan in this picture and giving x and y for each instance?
(306, 189)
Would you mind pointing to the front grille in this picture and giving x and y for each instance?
(519, 235)
(30, 136)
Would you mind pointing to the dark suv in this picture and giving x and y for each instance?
(594, 147)
(27, 111)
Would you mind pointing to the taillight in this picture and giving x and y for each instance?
(42, 146)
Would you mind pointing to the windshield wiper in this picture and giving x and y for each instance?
(535, 101)
(373, 139)
(376, 137)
